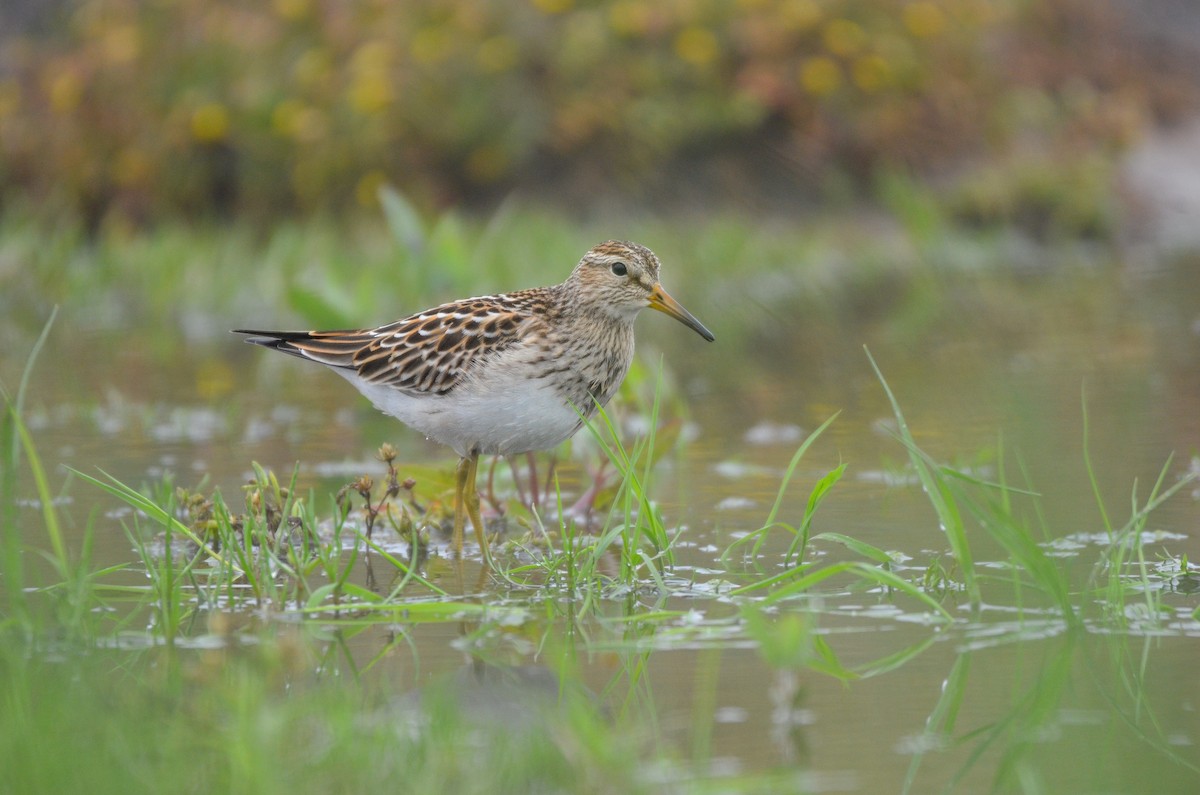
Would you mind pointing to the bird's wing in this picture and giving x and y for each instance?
(427, 353)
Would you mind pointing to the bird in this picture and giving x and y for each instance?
(500, 374)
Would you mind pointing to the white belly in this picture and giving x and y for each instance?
(500, 414)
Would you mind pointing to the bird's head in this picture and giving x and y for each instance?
(621, 279)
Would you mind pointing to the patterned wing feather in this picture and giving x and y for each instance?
(427, 353)
(430, 352)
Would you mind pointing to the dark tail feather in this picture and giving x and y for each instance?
(332, 348)
(279, 340)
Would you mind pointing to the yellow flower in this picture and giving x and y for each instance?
(210, 122)
(820, 76)
(924, 19)
(294, 119)
(372, 56)
(698, 46)
(799, 14)
(371, 92)
(553, 6)
(65, 90)
(371, 88)
(430, 45)
(844, 37)
(292, 9)
(629, 17)
(871, 73)
(313, 67)
(497, 54)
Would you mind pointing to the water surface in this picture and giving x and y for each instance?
(992, 370)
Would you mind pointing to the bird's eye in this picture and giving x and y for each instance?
(619, 269)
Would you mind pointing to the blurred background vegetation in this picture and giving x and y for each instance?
(132, 111)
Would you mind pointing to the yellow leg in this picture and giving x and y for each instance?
(471, 498)
(466, 504)
(460, 487)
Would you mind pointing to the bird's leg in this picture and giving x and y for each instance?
(496, 503)
(491, 485)
(582, 508)
(534, 486)
(551, 491)
(471, 499)
(516, 476)
(462, 473)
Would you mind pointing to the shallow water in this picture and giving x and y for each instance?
(979, 363)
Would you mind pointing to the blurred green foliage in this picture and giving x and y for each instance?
(266, 107)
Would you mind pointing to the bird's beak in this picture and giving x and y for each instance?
(667, 305)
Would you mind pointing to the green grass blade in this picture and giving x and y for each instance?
(799, 543)
(938, 493)
(865, 572)
(1024, 549)
(791, 469)
(896, 660)
(15, 437)
(942, 719)
(822, 488)
(135, 499)
(45, 496)
(860, 547)
(1091, 471)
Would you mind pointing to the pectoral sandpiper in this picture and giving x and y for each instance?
(500, 374)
